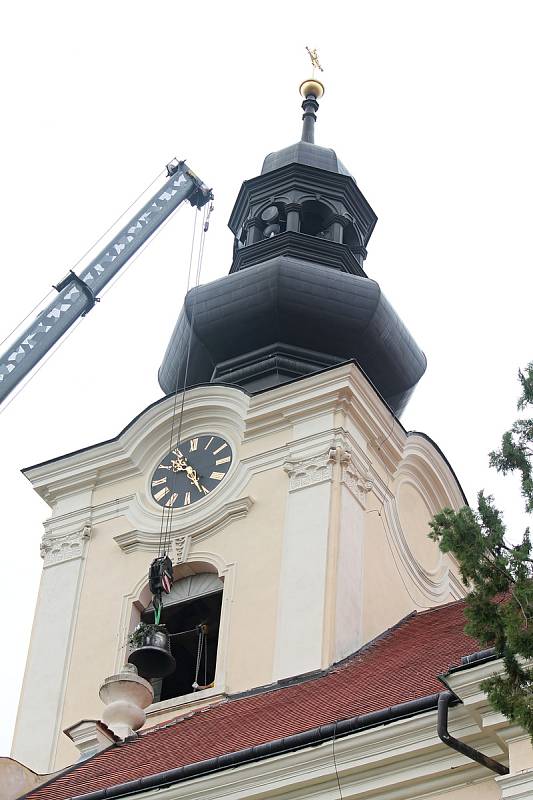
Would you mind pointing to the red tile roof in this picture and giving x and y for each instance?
(401, 665)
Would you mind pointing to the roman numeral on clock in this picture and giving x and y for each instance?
(161, 493)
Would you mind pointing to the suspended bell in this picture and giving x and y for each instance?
(152, 657)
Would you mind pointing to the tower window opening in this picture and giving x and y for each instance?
(313, 219)
(351, 237)
(193, 623)
(274, 220)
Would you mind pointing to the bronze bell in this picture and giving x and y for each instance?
(153, 658)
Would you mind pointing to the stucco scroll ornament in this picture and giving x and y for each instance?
(180, 547)
(56, 549)
(355, 477)
(309, 471)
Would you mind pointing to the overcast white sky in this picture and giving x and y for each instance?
(427, 103)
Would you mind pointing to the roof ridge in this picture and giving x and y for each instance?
(457, 602)
(169, 723)
(372, 643)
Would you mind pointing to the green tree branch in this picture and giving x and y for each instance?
(499, 605)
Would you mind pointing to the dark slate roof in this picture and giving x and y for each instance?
(305, 153)
(286, 301)
(401, 665)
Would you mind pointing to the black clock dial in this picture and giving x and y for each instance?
(191, 471)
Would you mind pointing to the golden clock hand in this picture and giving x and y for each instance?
(193, 477)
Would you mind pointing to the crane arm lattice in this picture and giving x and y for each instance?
(78, 294)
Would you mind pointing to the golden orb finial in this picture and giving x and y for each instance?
(313, 86)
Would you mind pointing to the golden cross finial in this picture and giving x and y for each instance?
(313, 55)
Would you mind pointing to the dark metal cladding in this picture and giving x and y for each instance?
(312, 155)
(282, 319)
(297, 299)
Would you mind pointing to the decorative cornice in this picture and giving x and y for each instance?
(301, 177)
(516, 787)
(125, 456)
(133, 540)
(302, 246)
(65, 547)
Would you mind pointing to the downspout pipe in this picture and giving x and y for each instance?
(445, 698)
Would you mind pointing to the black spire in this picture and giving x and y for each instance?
(311, 91)
(297, 299)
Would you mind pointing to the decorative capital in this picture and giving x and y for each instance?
(355, 477)
(56, 549)
(310, 471)
(294, 206)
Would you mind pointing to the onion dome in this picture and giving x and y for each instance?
(297, 299)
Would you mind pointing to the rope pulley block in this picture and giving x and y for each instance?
(150, 642)
(160, 577)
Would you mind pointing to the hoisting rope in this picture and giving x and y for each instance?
(202, 636)
(162, 561)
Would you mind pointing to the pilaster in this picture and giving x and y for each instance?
(39, 715)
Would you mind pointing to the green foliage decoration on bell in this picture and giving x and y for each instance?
(150, 651)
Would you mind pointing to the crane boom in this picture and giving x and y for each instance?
(77, 294)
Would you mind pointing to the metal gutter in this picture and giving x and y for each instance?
(445, 699)
(476, 658)
(288, 744)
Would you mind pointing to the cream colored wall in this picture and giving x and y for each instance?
(319, 462)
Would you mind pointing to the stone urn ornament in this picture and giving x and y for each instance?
(125, 696)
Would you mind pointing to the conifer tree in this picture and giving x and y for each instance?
(499, 575)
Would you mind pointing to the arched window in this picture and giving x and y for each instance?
(314, 216)
(191, 613)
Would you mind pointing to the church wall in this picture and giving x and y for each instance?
(249, 547)
(303, 578)
(385, 600)
(98, 634)
(48, 657)
(310, 573)
(349, 577)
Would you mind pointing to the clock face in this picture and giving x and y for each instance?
(191, 471)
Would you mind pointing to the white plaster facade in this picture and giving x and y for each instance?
(319, 532)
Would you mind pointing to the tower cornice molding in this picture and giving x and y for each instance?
(124, 456)
(139, 539)
(342, 389)
(303, 247)
(303, 178)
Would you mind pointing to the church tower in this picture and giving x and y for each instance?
(275, 474)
